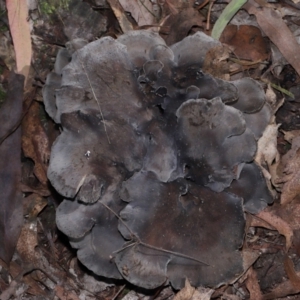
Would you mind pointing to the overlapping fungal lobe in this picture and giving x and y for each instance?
(90, 227)
(84, 163)
(207, 128)
(256, 196)
(184, 233)
(155, 160)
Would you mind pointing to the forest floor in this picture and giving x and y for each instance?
(263, 43)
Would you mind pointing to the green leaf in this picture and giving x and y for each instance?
(227, 14)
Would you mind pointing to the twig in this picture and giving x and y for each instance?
(95, 97)
(137, 241)
(121, 16)
(211, 3)
(119, 292)
(199, 6)
(118, 217)
(125, 247)
(149, 11)
(29, 270)
(174, 253)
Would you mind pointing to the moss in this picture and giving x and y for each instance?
(3, 28)
(2, 95)
(49, 7)
(2, 12)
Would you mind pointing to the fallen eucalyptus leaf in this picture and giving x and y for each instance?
(272, 24)
(17, 11)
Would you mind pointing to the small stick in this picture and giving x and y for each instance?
(119, 292)
(95, 97)
(209, 14)
(139, 242)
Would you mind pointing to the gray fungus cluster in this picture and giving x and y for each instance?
(154, 159)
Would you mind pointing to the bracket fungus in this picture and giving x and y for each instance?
(155, 159)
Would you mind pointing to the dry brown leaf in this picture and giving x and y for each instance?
(296, 1)
(290, 166)
(173, 6)
(291, 273)
(253, 285)
(279, 224)
(278, 61)
(257, 222)
(33, 205)
(249, 257)
(27, 243)
(281, 290)
(247, 41)
(290, 135)
(33, 287)
(267, 156)
(17, 11)
(180, 24)
(274, 27)
(39, 190)
(120, 15)
(287, 287)
(35, 143)
(63, 294)
(273, 100)
(291, 186)
(143, 12)
(216, 62)
(185, 293)
(290, 213)
(267, 146)
(202, 294)
(191, 293)
(226, 296)
(267, 152)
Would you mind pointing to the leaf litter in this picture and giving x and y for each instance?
(284, 154)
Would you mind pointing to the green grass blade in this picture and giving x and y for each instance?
(227, 14)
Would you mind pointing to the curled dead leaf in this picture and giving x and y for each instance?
(185, 293)
(267, 156)
(180, 24)
(267, 146)
(190, 293)
(292, 275)
(64, 294)
(253, 285)
(279, 224)
(290, 165)
(216, 62)
(35, 143)
(290, 135)
(121, 16)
